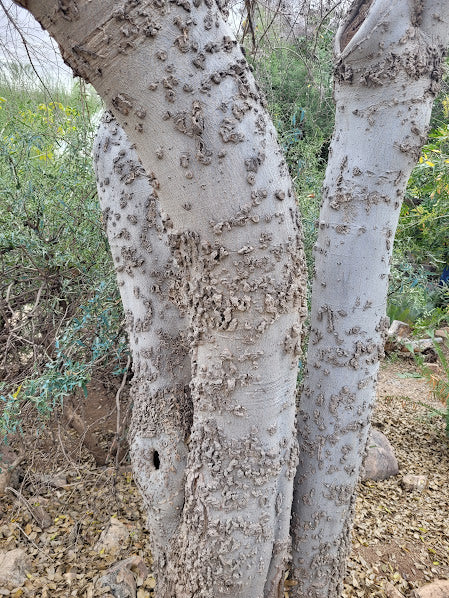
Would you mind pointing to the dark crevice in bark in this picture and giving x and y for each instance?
(356, 19)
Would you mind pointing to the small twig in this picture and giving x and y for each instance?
(20, 496)
(27, 316)
(320, 24)
(87, 438)
(268, 27)
(64, 452)
(119, 426)
(8, 292)
(17, 461)
(22, 37)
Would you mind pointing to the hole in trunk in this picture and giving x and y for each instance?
(156, 460)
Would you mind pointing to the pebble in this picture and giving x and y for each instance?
(414, 482)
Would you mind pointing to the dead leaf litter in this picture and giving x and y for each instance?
(65, 507)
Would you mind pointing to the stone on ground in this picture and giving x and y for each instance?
(391, 591)
(14, 566)
(9, 472)
(437, 589)
(124, 577)
(414, 483)
(113, 538)
(380, 462)
(399, 329)
(442, 333)
(40, 515)
(55, 480)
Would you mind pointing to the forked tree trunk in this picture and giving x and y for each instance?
(199, 126)
(388, 69)
(177, 82)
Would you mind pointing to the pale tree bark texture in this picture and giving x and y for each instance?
(213, 438)
(148, 281)
(388, 69)
(179, 86)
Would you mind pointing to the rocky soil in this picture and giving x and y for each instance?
(74, 529)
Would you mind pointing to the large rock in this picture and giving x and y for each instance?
(380, 462)
(14, 566)
(113, 538)
(124, 577)
(437, 589)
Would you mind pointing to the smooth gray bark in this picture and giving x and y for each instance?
(179, 86)
(388, 69)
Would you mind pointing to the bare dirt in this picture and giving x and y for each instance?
(400, 537)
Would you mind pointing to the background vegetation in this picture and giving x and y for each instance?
(60, 314)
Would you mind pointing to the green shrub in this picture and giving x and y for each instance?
(421, 250)
(60, 314)
(295, 75)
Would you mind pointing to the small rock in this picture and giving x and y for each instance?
(391, 591)
(121, 583)
(14, 566)
(424, 344)
(437, 589)
(124, 577)
(113, 538)
(414, 482)
(442, 333)
(433, 367)
(56, 480)
(380, 462)
(421, 345)
(399, 329)
(10, 472)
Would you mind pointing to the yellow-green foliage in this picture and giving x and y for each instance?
(60, 314)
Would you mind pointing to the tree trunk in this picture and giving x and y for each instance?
(177, 82)
(147, 277)
(388, 68)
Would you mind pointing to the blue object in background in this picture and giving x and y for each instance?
(444, 278)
